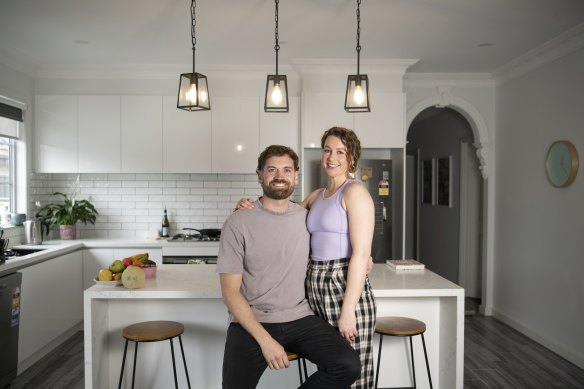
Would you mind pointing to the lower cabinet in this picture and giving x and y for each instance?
(51, 302)
(95, 259)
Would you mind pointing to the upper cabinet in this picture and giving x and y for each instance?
(235, 134)
(99, 134)
(280, 128)
(186, 141)
(141, 134)
(383, 127)
(321, 111)
(148, 134)
(56, 134)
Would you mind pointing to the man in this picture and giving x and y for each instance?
(262, 265)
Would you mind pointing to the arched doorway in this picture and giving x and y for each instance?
(465, 156)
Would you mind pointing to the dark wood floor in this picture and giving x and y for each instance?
(496, 357)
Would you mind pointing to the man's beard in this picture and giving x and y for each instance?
(279, 193)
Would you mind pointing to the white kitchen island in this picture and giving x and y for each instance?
(191, 295)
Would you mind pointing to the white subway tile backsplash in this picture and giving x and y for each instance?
(217, 184)
(131, 205)
(135, 184)
(121, 177)
(245, 184)
(190, 184)
(148, 177)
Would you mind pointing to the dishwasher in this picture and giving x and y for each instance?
(9, 323)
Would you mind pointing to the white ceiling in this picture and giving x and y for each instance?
(476, 36)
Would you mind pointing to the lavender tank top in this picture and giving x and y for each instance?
(328, 225)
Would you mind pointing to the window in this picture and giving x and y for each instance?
(7, 164)
(10, 119)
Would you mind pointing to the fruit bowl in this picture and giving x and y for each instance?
(107, 283)
(150, 271)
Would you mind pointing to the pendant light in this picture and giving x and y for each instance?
(276, 85)
(357, 97)
(193, 93)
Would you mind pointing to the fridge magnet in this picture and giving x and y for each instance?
(365, 176)
(383, 185)
(444, 182)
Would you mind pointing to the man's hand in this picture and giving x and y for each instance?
(274, 354)
(244, 204)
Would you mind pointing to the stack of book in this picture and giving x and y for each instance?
(405, 264)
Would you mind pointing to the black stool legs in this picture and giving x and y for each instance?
(300, 370)
(412, 359)
(173, 363)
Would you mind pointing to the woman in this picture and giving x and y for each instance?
(341, 221)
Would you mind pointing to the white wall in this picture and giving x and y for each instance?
(539, 253)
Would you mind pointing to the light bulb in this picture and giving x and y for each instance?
(203, 96)
(191, 94)
(358, 95)
(276, 95)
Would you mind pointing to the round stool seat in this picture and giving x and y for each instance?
(399, 326)
(153, 331)
(292, 356)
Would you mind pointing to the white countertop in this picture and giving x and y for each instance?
(54, 248)
(201, 281)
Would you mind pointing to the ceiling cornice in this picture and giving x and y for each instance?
(455, 79)
(333, 65)
(560, 46)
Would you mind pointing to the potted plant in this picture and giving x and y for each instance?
(67, 214)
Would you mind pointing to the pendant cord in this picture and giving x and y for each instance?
(358, 48)
(193, 24)
(276, 36)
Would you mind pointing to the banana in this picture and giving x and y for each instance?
(141, 257)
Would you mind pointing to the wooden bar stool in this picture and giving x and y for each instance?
(401, 326)
(301, 361)
(153, 331)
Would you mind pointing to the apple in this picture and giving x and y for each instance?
(117, 266)
(127, 261)
(105, 275)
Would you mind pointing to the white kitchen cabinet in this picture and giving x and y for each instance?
(95, 259)
(51, 302)
(384, 126)
(235, 136)
(321, 111)
(99, 134)
(280, 128)
(55, 134)
(141, 140)
(186, 142)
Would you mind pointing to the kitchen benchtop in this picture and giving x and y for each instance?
(201, 281)
(55, 248)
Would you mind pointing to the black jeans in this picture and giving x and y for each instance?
(310, 337)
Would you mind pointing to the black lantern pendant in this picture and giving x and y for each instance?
(276, 85)
(193, 92)
(357, 97)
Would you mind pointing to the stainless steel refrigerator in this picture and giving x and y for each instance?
(375, 174)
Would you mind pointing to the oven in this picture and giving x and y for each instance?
(192, 248)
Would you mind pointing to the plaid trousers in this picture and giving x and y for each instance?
(325, 288)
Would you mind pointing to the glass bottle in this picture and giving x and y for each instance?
(165, 225)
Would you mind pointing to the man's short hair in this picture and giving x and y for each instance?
(277, 151)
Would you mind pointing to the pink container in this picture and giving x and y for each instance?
(150, 271)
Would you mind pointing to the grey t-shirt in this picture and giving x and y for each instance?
(270, 250)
